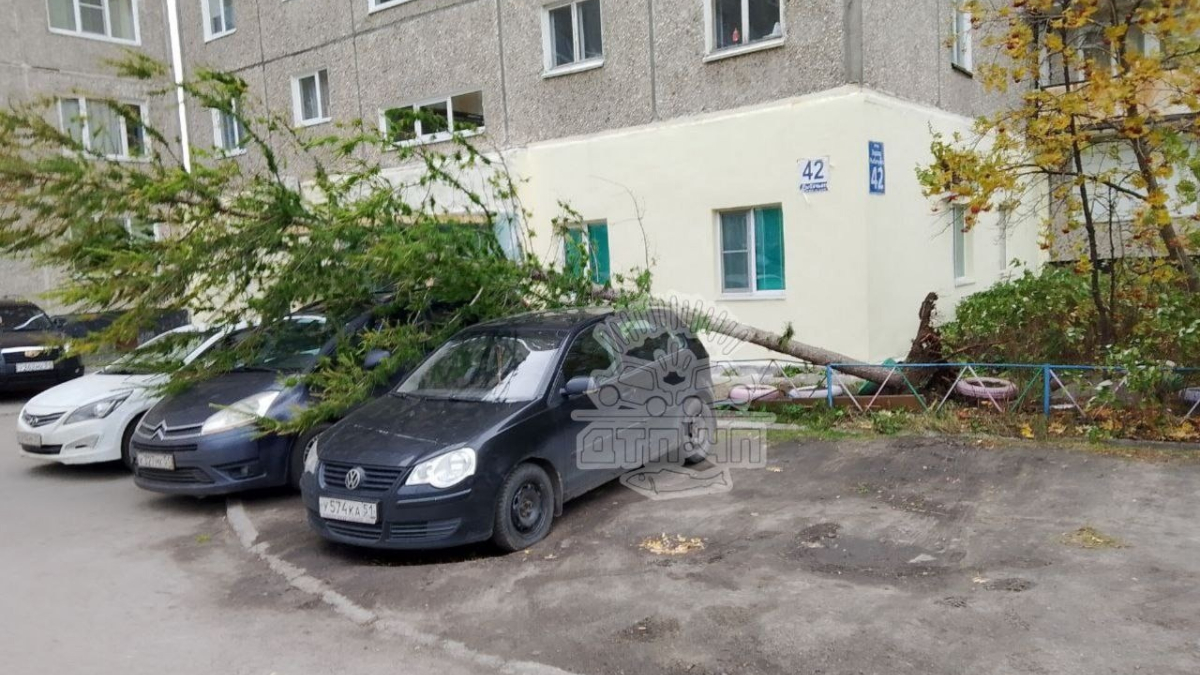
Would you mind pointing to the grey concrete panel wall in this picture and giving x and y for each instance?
(291, 26)
(810, 59)
(235, 51)
(906, 53)
(39, 47)
(617, 94)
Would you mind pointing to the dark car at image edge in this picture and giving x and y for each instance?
(30, 348)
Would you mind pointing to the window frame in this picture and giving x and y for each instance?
(209, 36)
(298, 98)
(86, 133)
(713, 53)
(107, 36)
(962, 52)
(584, 228)
(437, 137)
(962, 245)
(380, 5)
(218, 131)
(580, 63)
(753, 292)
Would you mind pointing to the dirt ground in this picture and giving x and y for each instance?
(907, 555)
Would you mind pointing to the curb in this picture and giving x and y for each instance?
(299, 578)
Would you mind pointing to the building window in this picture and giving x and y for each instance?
(735, 23)
(218, 18)
(374, 5)
(435, 121)
(106, 128)
(960, 54)
(228, 131)
(964, 244)
(310, 98)
(752, 257)
(105, 19)
(589, 243)
(573, 35)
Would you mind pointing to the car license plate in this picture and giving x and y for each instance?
(156, 460)
(34, 366)
(349, 510)
(29, 439)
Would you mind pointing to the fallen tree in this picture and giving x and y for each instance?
(232, 240)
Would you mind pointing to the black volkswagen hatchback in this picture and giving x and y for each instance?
(506, 421)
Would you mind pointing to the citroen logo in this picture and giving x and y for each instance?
(159, 432)
(354, 477)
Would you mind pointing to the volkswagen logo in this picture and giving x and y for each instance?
(354, 478)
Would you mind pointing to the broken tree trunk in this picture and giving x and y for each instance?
(784, 345)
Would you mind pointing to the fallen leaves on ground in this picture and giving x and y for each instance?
(666, 544)
(1090, 537)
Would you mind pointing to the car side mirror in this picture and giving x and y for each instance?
(375, 357)
(580, 384)
(59, 321)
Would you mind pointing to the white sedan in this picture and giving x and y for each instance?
(91, 418)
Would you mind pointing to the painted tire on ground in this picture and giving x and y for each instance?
(815, 392)
(986, 388)
(745, 393)
(1191, 394)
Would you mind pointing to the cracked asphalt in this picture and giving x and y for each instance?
(904, 555)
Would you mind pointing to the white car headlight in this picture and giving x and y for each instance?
(311, 459)
(96, 409)
(243, 413)
(444, 471)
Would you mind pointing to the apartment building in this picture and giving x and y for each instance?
(60, 49)
(760, 152)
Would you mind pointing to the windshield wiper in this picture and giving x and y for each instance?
(255, 369)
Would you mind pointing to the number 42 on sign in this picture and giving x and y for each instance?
(814, 174)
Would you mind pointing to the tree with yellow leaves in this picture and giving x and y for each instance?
(1102, 135)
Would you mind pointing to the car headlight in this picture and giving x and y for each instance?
(310, 456)
(96, 409)
(444, 471)
(241, 414)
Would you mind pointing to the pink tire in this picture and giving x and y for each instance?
(986, 388)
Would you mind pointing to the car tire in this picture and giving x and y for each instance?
(524, 509)
(299, 452)
(127, 442)
(700, 427)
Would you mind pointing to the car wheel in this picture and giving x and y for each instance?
(304, 444)
(524, 508)
(699, 430)
(127, 442)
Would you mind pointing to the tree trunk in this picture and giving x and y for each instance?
(1162, 218)
(780, 343)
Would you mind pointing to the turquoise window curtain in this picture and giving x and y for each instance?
(573, 251)
(768, 249)
(598, 262)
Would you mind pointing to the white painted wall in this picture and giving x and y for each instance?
(857, 265)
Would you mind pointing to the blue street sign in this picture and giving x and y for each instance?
(878, 175)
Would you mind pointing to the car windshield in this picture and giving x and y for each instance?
(294, 345)
(14, 318)
(492, 367)
(162, 352)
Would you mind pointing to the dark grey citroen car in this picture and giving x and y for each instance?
(506, 421)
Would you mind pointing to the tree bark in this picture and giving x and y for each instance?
(778, 342)
(1162, 218)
